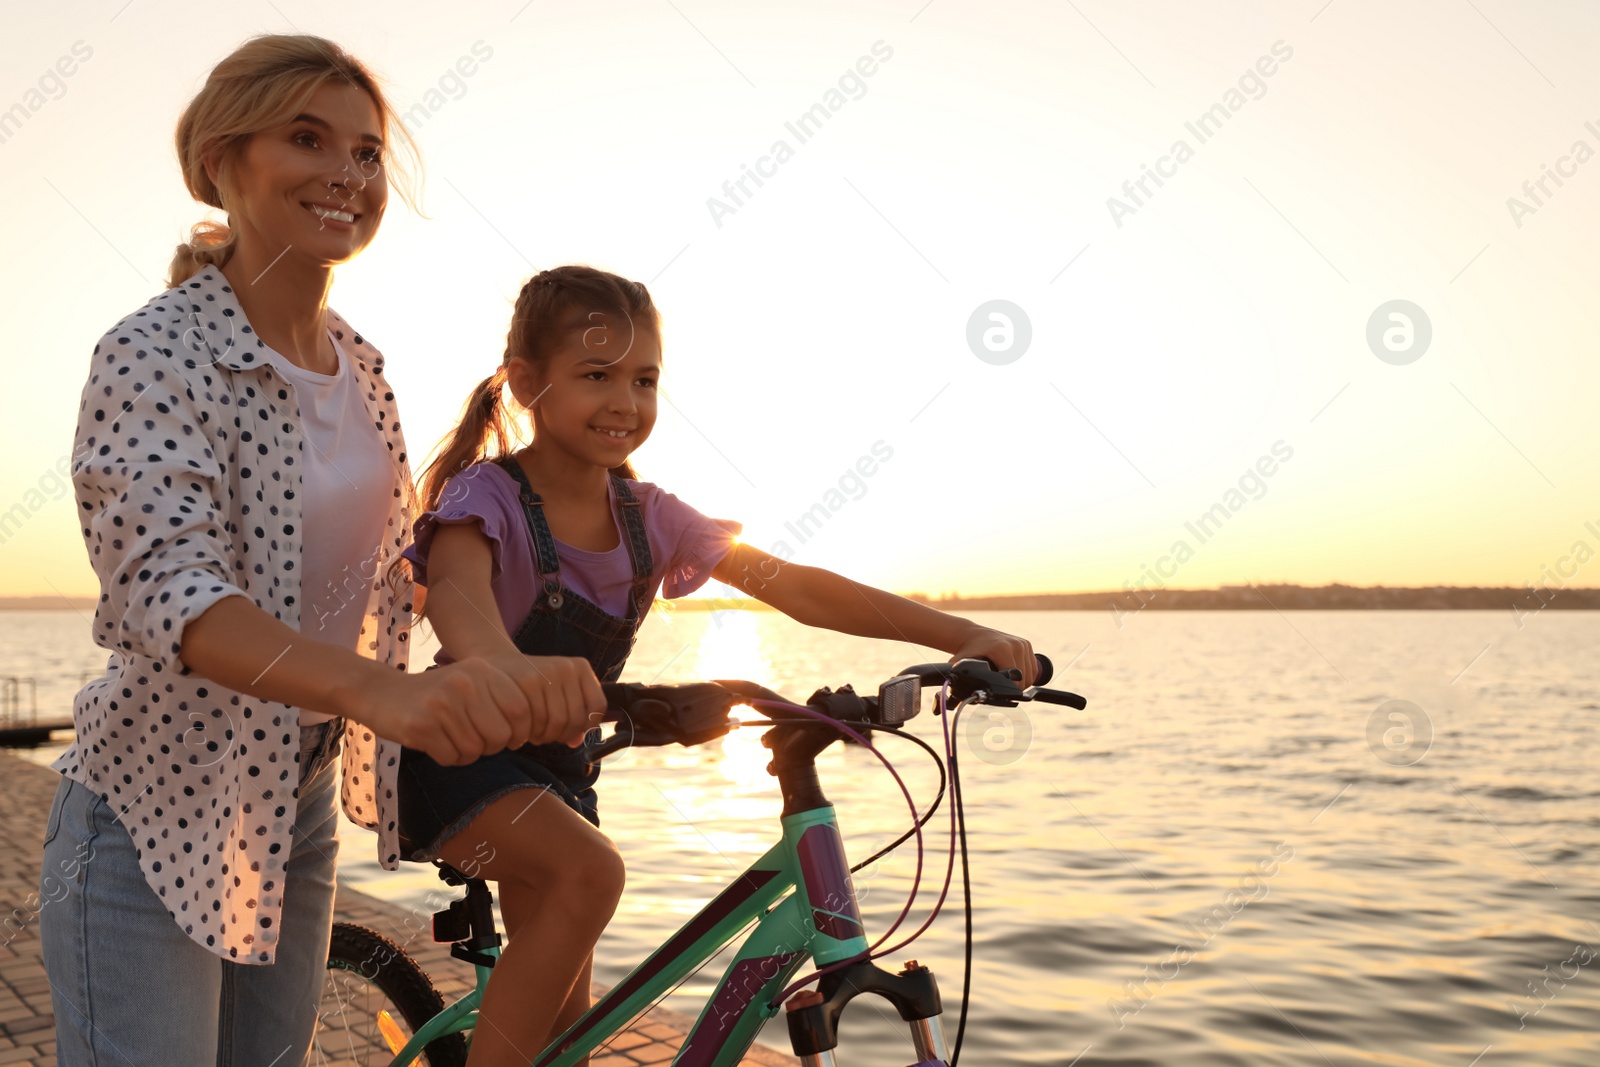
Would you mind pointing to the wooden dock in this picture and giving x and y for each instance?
(27, 1019)
(20, 727)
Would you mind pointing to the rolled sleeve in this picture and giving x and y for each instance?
(702, 549)
(147, 482)
(473, 497)
(697, 542)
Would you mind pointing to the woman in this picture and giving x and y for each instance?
(242, 485)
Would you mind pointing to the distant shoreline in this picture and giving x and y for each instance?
(1286, 597)
(1334, 597)
(47, 603)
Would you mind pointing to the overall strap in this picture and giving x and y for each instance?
(638, 546)
(544, 544)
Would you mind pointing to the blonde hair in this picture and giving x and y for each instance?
(263, 83)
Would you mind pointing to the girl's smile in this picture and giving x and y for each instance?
(593, 400)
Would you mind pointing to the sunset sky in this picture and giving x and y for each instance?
(1179, 334)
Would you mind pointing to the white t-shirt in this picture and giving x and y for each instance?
(347, 483)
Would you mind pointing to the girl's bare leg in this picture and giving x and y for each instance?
(579, 1001)
(560, 880)
(516, 904)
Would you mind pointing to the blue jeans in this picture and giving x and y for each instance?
(130, 987)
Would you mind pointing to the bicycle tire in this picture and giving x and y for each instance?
(362, 955)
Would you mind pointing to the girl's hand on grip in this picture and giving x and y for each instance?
(564, 696)
(1001, 649)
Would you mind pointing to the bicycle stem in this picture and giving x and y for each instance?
(795, 747)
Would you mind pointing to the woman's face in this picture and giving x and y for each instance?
(316, 184)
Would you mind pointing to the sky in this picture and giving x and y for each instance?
(1342, 339)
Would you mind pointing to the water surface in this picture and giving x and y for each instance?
(1223, 861)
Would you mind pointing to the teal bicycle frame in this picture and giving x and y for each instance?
(819, 920)
(799, 895)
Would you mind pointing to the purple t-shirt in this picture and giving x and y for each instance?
(684, 545)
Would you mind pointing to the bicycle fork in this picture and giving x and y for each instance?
(813, 1015)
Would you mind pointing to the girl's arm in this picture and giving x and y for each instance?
(820, 597)
(562, 690)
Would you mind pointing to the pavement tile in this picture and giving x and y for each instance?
(630, 1040)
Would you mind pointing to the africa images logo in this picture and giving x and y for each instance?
(804, 127)
(1203, 128)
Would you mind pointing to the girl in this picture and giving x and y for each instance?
(558, 549)
(241, 479)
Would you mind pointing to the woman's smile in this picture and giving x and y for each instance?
(334, 217)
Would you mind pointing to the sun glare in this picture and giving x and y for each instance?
(732, 648)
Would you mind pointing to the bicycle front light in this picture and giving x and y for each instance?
(899, 699)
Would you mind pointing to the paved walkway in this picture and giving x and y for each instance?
(27, 1020)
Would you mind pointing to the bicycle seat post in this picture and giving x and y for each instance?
(468, 923)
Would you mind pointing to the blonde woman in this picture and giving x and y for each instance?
(243, 488)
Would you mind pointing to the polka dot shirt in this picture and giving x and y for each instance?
(187, 469)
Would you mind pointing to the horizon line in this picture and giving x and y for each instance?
(65, 602)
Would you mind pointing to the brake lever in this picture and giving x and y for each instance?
(1056, 696)
(977, 679)
(595, 751)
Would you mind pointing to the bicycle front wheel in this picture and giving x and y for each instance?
(375, 994)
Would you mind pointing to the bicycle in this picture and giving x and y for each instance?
(799, 895)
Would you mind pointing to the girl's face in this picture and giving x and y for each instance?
(316, 184)
(595, 397)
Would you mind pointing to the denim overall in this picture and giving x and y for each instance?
(437, 802)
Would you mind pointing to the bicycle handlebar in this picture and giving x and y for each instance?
(970, 676)
(696, 712)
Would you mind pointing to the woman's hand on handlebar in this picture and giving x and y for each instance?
(482, 705)
(455, 714)
(564, 697)
(1001, 649)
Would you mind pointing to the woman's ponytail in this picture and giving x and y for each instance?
(210, 243)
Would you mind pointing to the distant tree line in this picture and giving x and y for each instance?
(1286, 598)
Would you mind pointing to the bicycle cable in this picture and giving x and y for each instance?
(950, 727)
(959, 809)
(875, 953)
(944, 890)
(916, 881)
(938, 798)
(889, 731)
